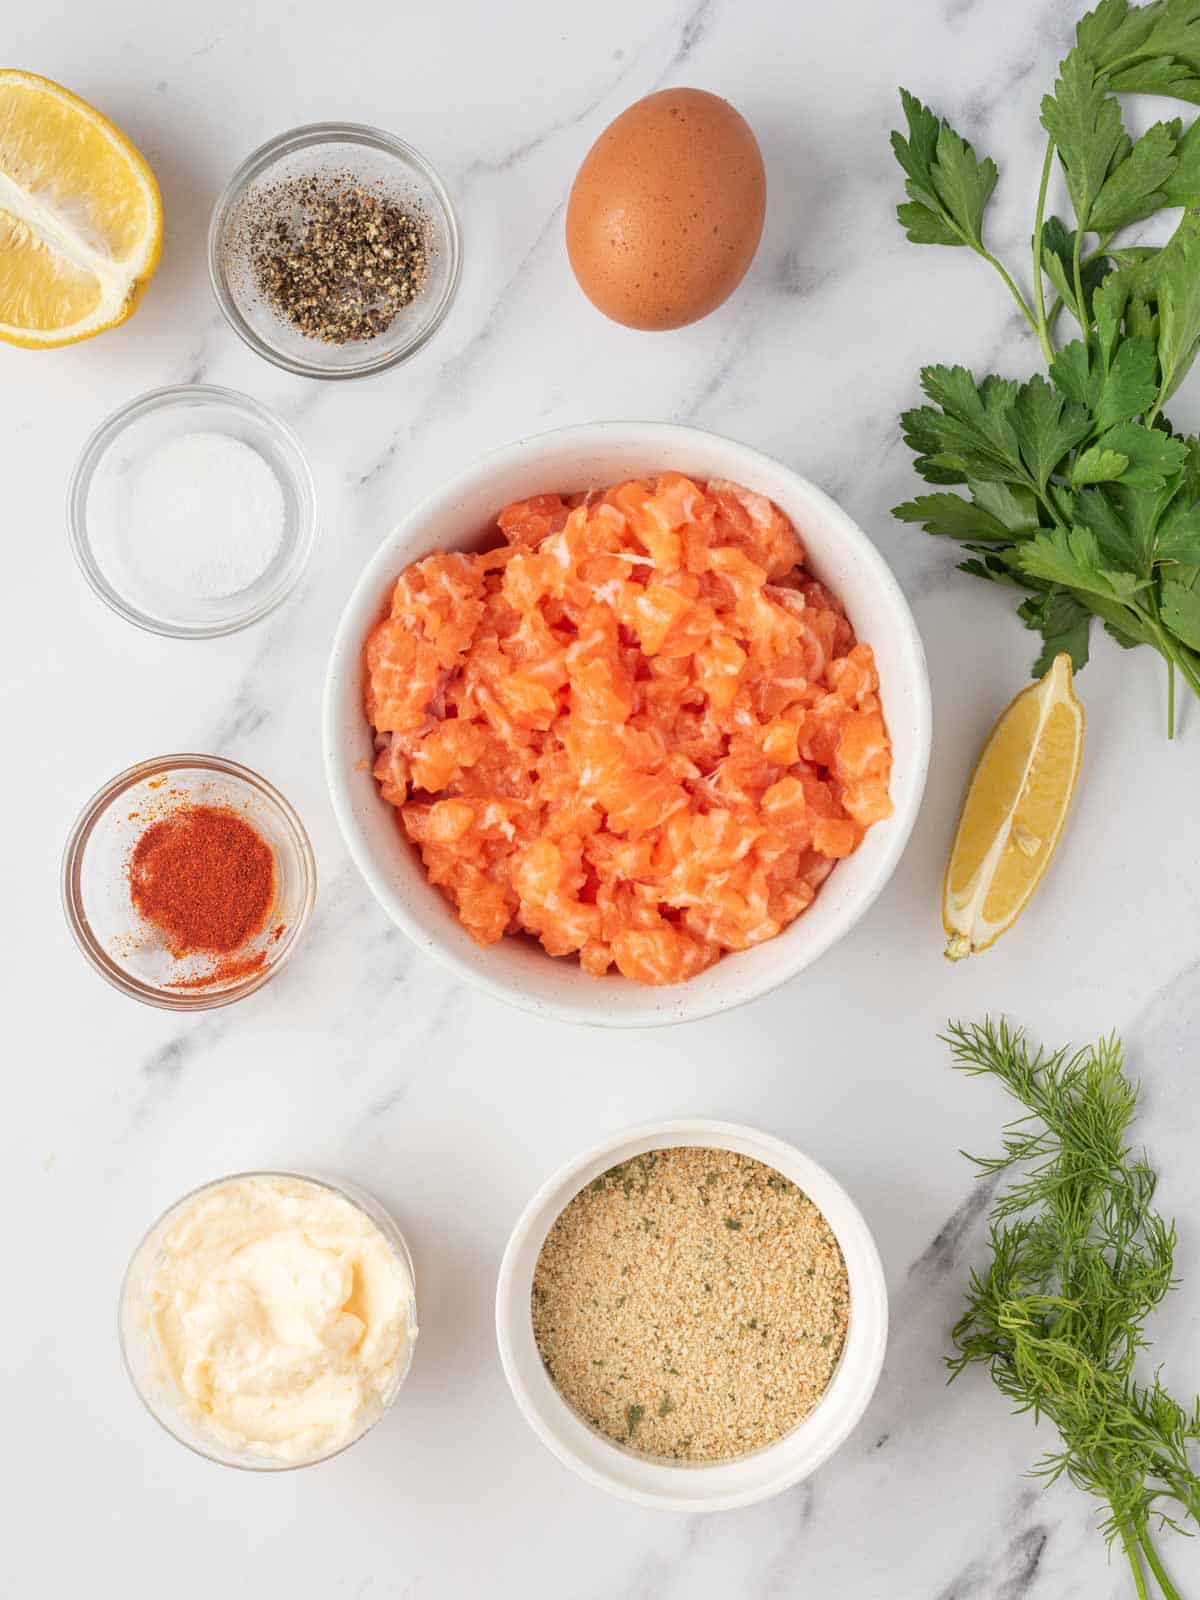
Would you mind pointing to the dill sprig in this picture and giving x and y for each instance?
(1079, 1259)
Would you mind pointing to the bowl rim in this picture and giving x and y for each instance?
(380, 572)
(301, 138)
(101, 440)
(859, 1368)
(372, 1208)
(75, 850)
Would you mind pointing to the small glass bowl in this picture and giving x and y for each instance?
(103, 482)
(374, 158)
(155, 1390)
(125, 949)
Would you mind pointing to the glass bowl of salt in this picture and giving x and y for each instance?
(192, 511)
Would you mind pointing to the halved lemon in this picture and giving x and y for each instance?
(1014, 811)
(80, 216)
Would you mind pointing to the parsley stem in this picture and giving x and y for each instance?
(1056, 309)
(1039, 284)
(1164, 645)
(1174, 657)
(1012, 289)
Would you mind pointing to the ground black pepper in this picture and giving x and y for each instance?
(335, 259)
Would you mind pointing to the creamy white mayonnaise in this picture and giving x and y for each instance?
(281, 1315)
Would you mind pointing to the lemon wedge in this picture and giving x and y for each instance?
(80, 216)
(1014, 811)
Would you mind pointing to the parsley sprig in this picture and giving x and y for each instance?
(1077, 489)
(1079, 1259)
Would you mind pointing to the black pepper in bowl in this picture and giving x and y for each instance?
(335, 259)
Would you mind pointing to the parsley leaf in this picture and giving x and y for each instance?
(1151, 49)
(1135, 188)
(1063, 622)
(1130, 384)
(1154, 456)
(963, 183)
(1071, 557)
(972, 431)
(1077, 376)
(1177, 280)
(1115, 388)
(1012, 504)
(1112, 32)
(1179, 536)
(951, 515)
(1047, 427)
(1180, 609)
(948, 187)
(1121, 537)
(1182, 188)
(1084, 121)
(1108, 307)
(1098, 466)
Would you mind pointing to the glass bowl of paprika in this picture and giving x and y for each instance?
(187, 881)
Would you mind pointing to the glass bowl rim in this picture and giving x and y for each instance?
(75, 851)
(362, 1200)
(101, 440)
(301, 138)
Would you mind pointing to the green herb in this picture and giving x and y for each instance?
(665, 1406)
(633, 1415)
(1079, 1258)
(1076, 488)
(733, 1224)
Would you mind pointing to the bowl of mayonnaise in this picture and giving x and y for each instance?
(268, 1319)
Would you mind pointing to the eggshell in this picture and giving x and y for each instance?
(667, 210)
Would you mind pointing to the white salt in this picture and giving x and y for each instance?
(205, 516)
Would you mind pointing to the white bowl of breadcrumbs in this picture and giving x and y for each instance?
(692, 1315)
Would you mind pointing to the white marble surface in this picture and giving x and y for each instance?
(365, 1060)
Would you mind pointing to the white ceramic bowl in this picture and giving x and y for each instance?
(455, 518)
(693, 1486)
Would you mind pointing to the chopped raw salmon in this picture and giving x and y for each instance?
(639, 731)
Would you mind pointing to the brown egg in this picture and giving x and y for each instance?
(667, 210)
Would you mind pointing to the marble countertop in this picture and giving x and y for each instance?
(363, 1059)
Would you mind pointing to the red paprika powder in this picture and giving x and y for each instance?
(205, 879)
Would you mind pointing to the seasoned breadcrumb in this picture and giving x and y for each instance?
(691, 1303)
